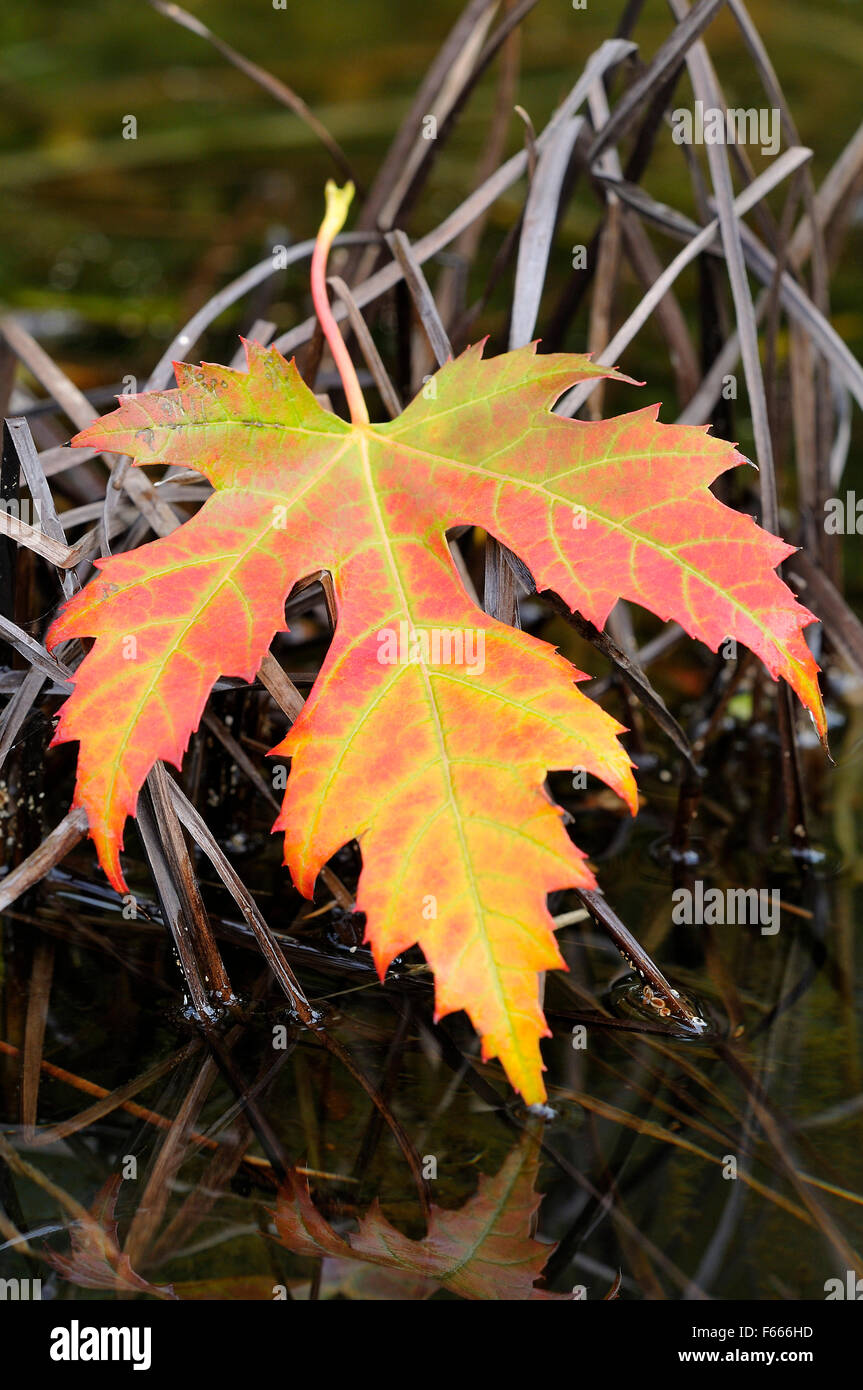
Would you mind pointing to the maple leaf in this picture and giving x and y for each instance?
(431, 727)
(483, 1250)
(96, 1260)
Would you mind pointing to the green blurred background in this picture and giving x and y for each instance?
(108, 244)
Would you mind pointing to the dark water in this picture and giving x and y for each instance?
(107, 246)
(636, 1110)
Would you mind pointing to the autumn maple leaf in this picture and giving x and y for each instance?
(482, 1250)
(431, 727)
(96, 1260)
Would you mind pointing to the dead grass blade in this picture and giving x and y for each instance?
(271, 84)
(270, 948)
(72, 829)
(666, 60)
(74, 404)
(780, 169)
(38, 1000)
(537, 229)
(374, 362)
(607, 56)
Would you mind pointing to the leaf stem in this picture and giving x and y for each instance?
(338, 202)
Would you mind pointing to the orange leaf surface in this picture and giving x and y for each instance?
(431, 727)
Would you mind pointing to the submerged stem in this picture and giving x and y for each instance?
(338, 202)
